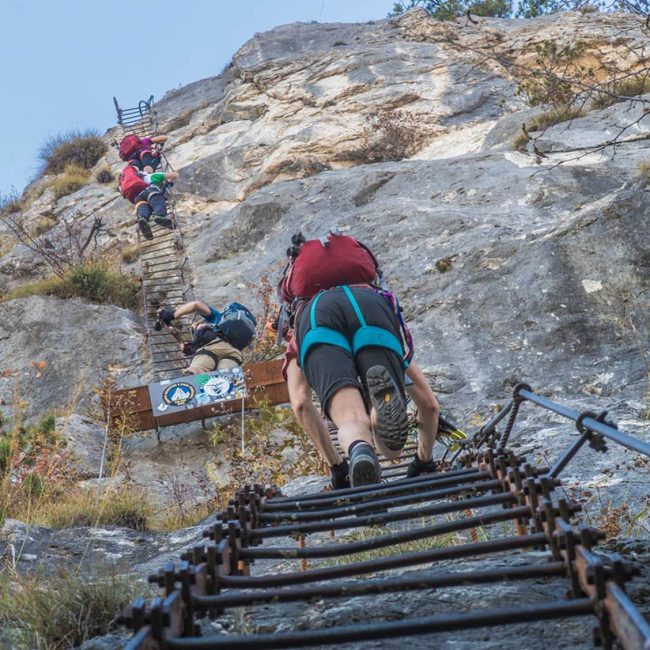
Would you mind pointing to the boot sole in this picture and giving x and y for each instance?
(364, 471)
(392, 420)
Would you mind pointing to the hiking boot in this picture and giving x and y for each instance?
(165, 222)
(418, 467)
(340, 475)
(145, 228)
(364, 465)
(392, 421)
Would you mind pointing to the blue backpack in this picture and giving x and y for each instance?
(237, 325)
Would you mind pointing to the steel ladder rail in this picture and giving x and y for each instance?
(168, 260)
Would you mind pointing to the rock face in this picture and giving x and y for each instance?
(510, 265)
(56, 351)
(84, 438)
(40, 549)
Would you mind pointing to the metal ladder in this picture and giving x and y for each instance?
(164, 265)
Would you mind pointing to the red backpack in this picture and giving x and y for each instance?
(129, 147)
(131, 184)
(326, 263)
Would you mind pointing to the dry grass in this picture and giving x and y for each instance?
(64, 610)
(174, 518)
(622, 521)
(125, 507)
(47, 287)
(364, 534)
(11, 202)
(390, 135)
(555, 116)
(79, 148)
(130, 253)
(95, 281)
(264, 347)
(624, 88)
(43, 225)
(6, 244)
(643, 168)
(520, 141)
(74, 177)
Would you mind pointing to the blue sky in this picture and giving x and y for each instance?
(61, 61)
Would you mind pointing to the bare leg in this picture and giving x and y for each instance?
(348, 412)
(307, 415)
(428, 411)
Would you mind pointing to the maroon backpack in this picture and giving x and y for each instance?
(131, 184)
(129, 147)
(326, 263)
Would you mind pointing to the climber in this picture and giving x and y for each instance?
(347, 328)
(218, 340)
(142, 152)
(145, 189)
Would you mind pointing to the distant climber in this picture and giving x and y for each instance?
(350, 343)
(218, 341)
(145, 189)
(142, 152)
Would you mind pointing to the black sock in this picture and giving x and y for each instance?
(339, 467)
(354, 444)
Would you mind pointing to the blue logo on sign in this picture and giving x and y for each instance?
(178, 394)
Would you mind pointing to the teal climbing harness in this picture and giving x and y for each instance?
(365, 336)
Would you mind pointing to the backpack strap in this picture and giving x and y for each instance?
(318, 335)
(371, 335)
(365, 336)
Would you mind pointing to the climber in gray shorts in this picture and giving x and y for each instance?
(353, 348)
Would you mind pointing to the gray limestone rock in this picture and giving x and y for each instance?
(77, 341)
(85, 439)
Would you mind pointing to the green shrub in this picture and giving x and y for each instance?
(548, 83)
(81, 148)
(74, 178)
(451, 9)
(34, 485)
(6, 451)
(45, 428)
(98, 283)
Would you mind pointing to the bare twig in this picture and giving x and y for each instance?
(68, 244)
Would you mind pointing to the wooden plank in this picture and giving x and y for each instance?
(264, 382)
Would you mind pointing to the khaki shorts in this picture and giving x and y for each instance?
(229, 357)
